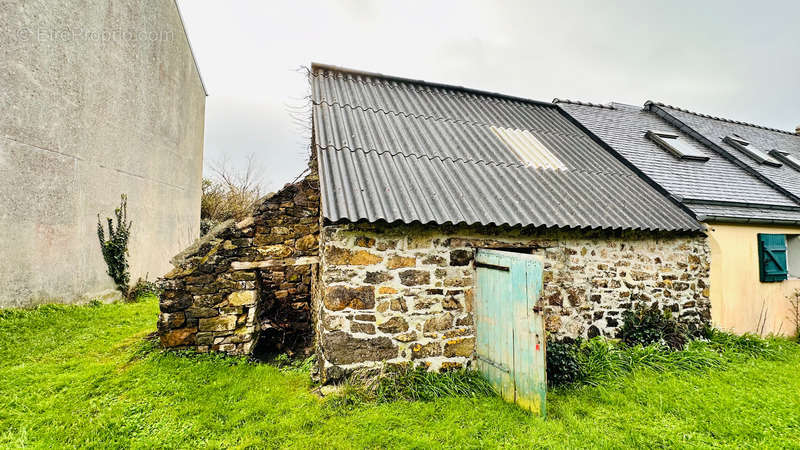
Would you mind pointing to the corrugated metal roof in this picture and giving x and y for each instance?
(400, 150)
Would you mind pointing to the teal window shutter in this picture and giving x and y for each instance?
(772, 257)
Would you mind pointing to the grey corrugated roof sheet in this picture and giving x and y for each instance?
(398, 150)
(714, 188)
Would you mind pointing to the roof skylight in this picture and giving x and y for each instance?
(755, 153)
(789, 159)
(677, 146)
(528, 149)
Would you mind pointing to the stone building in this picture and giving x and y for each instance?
(97, 99)
(372, 255)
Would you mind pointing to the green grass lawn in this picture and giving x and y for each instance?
(85, 376)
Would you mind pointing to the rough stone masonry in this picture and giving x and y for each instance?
(406, 293)
(361, 294)
(248, 282)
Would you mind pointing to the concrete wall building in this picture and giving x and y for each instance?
(741, 180)
(97, 99)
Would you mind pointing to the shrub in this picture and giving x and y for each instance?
(230, 194)
(645, 326)
(115, 249)
(562, 363)
(142, 289)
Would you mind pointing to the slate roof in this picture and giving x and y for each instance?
(722, 187)
(399, 150)
(715, 129)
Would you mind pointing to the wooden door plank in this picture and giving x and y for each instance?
(535, 384)
(493, 328)
(510, 334)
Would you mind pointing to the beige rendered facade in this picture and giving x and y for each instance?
(739, 300)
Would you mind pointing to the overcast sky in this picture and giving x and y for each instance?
(737, 61)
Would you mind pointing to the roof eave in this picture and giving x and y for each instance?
(747, 220)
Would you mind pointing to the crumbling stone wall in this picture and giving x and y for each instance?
(398, 293)
(248, 283)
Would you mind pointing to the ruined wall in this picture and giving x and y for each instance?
(248, 282)
(405, 293)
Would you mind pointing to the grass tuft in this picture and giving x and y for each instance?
(600, 361)
(403, 382)
(287, 363)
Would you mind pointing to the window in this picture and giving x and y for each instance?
(793, 255)
(787, 158)
(750, 150)
(528, 149)
(678, 147)
(772, 257)
(778, 256)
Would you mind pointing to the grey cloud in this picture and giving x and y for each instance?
(738, 60)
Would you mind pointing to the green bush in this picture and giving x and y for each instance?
(645, 326)
(562, 362)
(143, 289)
(115, 249)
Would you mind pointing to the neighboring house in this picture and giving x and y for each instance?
(96, 101)
(443, 211)
(742, 180)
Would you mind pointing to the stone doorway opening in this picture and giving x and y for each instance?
(283, 313)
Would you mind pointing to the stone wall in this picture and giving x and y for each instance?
(248, 284)
(405, 293)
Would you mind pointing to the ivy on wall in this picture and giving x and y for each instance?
(115, 249)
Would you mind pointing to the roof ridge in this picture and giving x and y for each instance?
(578, 102)
(723, 119)
(440, 118)
(339, 72)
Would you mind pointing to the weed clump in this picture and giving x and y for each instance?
(404, 382)
(143, 289)
(599, 361)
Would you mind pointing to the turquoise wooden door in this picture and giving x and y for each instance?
(510, 331)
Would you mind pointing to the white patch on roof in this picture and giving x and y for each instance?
(528, 149)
